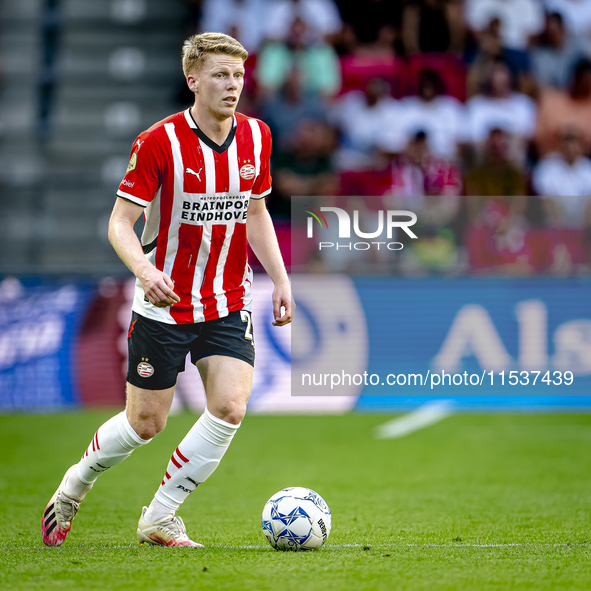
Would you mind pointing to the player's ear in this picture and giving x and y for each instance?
(192, 83)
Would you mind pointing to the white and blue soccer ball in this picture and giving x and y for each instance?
(296, 518)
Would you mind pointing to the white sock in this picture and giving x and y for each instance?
(157, 511)
(193, 461)
(112, 443)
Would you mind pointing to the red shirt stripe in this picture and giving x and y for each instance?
(208, 300)
(234, 269)
(184, 270)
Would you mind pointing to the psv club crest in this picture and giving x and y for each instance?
(145, 370)
(247, 172)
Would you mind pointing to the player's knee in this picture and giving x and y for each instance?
(232, 412)
(148, 427)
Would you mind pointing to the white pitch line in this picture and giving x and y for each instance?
(422, 417)
(263, 546)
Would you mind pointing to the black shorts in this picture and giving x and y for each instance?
(157, 351)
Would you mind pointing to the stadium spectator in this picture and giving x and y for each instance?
(563, 180)
(433, 26)
(439, 116)
(488, 49)
(500, 107)
(575, 13)
(322, 18)
(365, 119)
(496, 175)
(242, 19)
(559, 109)
(285, 110)
(418, 172)
(520, 19)
(553, 61)
(375, 28)
(499, 242)
(430, 187)
(317, 63)
(496, 232)
(304, 167)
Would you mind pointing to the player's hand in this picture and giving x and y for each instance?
(158, 287)
(282, 299)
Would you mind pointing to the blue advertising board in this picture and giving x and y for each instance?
(484, 342)
(39, 327)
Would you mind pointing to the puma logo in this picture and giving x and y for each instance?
(139, 145)
(197, 174)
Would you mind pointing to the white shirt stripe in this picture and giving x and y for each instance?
(203, 255)
(233, 189)
(209, 168)
(257, 141)
(175, 218)
(152, 219)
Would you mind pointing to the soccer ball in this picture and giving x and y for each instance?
(296, 518)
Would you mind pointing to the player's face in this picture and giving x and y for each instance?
(218, 84)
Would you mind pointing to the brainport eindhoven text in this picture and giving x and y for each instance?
(393, 219)
(442, 378)
(225, 208)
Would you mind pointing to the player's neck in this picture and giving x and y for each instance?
(213, 128)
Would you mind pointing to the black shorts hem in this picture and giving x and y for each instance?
(233, 354)
(136, 382)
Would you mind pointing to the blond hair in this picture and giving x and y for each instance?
(197, 47)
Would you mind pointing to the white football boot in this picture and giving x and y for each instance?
(168, 531)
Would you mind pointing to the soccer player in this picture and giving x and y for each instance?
(200, 178)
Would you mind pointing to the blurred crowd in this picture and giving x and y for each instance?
(474, 114)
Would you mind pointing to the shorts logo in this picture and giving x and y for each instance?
(247, 172)
(145, 370)
(132, 162)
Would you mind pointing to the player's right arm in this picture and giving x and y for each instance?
(158, 286)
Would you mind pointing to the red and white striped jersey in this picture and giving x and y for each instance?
(196, 195)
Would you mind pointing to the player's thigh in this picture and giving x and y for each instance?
(157, 353)
(228, 382)
(147, 410)
(224, 355)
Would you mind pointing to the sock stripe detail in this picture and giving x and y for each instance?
(167, 476)
(97, 441)
(173, 460)
(181, 456)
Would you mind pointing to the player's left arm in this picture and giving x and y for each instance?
(263, 241)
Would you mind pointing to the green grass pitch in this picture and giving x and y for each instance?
(475, 502)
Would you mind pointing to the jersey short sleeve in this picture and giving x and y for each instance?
(143, 176)
(262, 185)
